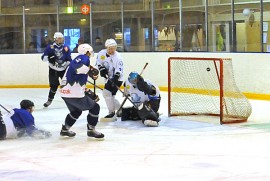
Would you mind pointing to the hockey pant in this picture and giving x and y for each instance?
(54, 81)
(77, 105)
(112, 103)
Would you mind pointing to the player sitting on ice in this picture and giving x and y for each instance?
(20, 122)
(73, 86)
(146, 99)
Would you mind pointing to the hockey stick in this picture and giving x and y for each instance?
(4, 108)
(94, 85)
(127, 96)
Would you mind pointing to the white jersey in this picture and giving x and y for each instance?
(138, 96)
(10, 128)
(113, 63)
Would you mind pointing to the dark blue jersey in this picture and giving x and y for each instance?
(58, 56)
(23, 120)
(72, 73)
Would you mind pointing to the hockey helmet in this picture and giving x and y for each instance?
(84, 48)
(110, 43)
(132, 78)
(58, 35)
(26, 104)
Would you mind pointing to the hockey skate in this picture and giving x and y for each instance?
(46, 104)
(95, 134)
(150, 123)
(66, 132)
(109, 118)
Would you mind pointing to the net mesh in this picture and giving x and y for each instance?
(194, 88)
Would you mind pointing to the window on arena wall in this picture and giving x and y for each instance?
(248, 27)
(219, 27)
(219, 34)
(11, 31)
(193, 30)
(166, 26)
(266, 27)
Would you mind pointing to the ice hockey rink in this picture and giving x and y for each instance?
(180, 149)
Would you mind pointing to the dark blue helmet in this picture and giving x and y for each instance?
(26, 104)
(132, 78)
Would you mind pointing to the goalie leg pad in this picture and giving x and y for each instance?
(154, 104)
(130, 113)
(146, 113)
(150, 123)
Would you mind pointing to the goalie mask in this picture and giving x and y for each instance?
(84, 48)
(132, 78)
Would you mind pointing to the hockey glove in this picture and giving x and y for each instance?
(103, 71)
(41, 134)
(115, 78)
(92, 95)
(93, 73)
(52, 58)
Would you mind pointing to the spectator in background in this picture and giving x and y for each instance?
(80, 41)
(98, 45)
(45, 41)
(32, 48)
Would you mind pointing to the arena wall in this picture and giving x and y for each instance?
(251, 70)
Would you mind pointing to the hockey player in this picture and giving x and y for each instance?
(59, 56)
(146, 98)
(110, 65)
(73, 87)
(20, 122)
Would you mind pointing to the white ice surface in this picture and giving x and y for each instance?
(177, 150)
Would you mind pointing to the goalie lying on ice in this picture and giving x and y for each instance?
(146, 98)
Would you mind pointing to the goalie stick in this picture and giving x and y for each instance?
(127, 96)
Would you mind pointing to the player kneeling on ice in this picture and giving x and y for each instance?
(73, 91)
(146, 99)
(20, 122)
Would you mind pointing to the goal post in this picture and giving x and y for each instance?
(205, 86)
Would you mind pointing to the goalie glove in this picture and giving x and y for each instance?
(93, 73)
(144, 87)
(92, 95)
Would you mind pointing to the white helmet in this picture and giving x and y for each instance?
(84, 48)
(58, 35)
(110, 43)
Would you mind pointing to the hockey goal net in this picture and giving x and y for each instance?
(205, 86)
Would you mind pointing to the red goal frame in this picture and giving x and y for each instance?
(220, 76)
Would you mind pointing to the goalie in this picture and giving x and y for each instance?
(146, 100)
